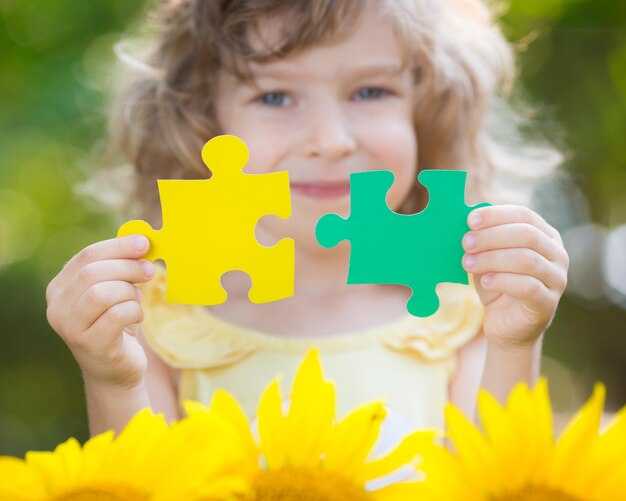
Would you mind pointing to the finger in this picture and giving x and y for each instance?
(130, 247)
(520, 261)
(513, 235)
(503, 214)
(127, 270)
(98, 298)
(104, 334)
(523, 287)
(133, 329)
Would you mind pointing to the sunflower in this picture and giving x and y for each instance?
(149, 460)
(305, 454)
(516, 458)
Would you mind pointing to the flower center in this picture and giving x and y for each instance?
(104, 493)
(306, 485)
(536, 493)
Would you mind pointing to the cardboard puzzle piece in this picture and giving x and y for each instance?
(418, 250)
(209, 229)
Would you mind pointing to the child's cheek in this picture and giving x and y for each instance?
(396, 150)
(261, 156)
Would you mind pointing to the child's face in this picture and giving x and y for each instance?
(323, 113)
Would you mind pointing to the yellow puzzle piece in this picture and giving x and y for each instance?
(208, 229)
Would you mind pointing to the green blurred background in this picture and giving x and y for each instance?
(54, 61)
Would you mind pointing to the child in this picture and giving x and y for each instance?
(320, 88)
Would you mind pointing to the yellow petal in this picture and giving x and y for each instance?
(194, 407)
(51, 467)
(406, 452)
(271, 422)
(94, 456)
(521, 413)
(402, 491)
(228, 487)
(69, 453)
(444, 480)
(311, 413)
(522, 451)
(134, 447)
(611, 485)
(576, 440)
(473, 451)
(196, 450)
(615, 430)
(205, 426)
(354, 438)
(18, 481)
(606, 461)
(542, 431)
(225, 405)
(502, 434)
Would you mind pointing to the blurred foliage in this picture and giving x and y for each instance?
(53, 65)
(53, 57)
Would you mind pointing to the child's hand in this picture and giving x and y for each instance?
(520, 268)
(93, 306)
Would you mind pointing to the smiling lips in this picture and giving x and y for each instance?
(322, 189)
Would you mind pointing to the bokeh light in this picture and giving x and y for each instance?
(20, 227)
(615, 264)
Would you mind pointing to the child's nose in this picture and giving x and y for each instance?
(330, 134)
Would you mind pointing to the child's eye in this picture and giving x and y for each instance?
(371, 93)
(277, 99)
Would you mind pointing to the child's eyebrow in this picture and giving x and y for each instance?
(360, 71)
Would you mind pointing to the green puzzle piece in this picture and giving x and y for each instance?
(417, 250)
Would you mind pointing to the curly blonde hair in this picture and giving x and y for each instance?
(163, 110)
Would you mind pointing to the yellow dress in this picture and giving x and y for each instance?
(407, 363)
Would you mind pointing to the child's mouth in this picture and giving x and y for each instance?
(322, 189)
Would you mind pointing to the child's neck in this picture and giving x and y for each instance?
(322, 305)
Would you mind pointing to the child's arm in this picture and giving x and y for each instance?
(111, 408)
(161, 383)
(482, 365)
(520, 268)
(93, 304)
